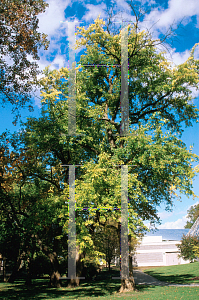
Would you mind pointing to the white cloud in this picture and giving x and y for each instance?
(122, 4)
(179, 224)
(123, 12)
(176, 11)
(94, 11)
(51, 20)
(165, 214)
(179, 57)
(37, 98)
(58, 62)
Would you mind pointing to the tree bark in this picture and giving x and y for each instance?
(129, 283)
(55, 275)
(79, 268)
(4, 269)
(109, 265)
(29, 273)
(15, 271)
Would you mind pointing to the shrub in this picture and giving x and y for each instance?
(40, 265)
(90, 270)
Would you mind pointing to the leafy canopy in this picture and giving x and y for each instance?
(159, 164)
(159, 100)
(19, 38)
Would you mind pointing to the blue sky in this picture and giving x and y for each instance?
(163, 14)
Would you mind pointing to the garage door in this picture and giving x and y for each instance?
(171, 259)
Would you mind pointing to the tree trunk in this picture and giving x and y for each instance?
(129, 283)
(109, 265)
(55, 275)
(4, 269)
(29, 273)
(15, 271)
(79, 268)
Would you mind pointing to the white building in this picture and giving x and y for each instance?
(153, 251)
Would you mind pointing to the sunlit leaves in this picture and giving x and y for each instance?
(154, 83)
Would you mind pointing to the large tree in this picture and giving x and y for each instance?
(19, 39)
(160, 100)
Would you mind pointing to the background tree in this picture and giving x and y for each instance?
(29, 215)
(107, 240)
(193, 214)
(19, 38)
(189, 247)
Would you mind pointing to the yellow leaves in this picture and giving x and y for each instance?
(51, 190)
(89, 222)
(164, 66)
(102, 219)
(172, 188)
(86, 242)
(192, 51)
(186, 73)
(196, 169)
(93, 34)
(196, 250)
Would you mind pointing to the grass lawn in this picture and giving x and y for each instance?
(103, 288)
(98, 290)
(182, 274)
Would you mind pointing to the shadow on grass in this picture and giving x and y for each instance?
(104, 285)
(177, 278)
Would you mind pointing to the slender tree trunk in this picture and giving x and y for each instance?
(109, 265)
(109, 261)
(4, 269)
(29, 273)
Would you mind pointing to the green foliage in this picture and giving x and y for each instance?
(155, 85)
(29, 211)
(40, 265)
(90, 270)
(193, 214)
(159, 164)
(189, 247)
(19, 38)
